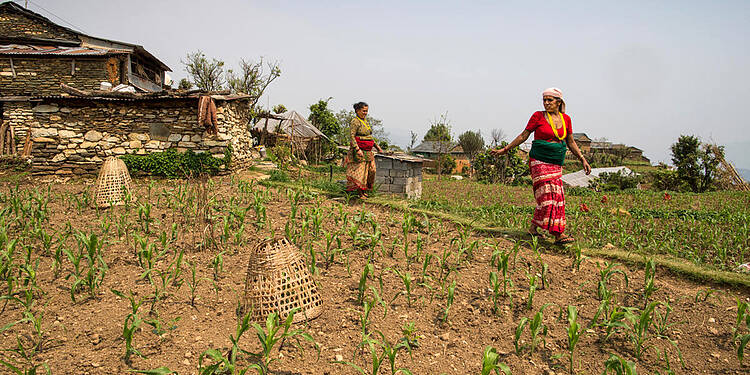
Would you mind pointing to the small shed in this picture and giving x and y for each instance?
(399, 174)
(288, 127)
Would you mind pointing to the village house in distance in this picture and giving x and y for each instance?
(69, 100)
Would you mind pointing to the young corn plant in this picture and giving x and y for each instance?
(132, 322)
(538, 329)
(739, 338)
(275, 332)
(619, 366)
(649, 286)
(362, 287)
(517, 335)
(449, 300)
(532, 290)
(407, 280)
(605, 274)
(491, 362)
(389, 352)
(578, 257)
(574, 334)
(495, 285)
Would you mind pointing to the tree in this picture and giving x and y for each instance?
(696, 165)
(413, 140)
(499, 168)
(323, 119)
(206, 74)
(498, 135)
(185, 84)
(253, 78)
(279, 108)
(685, 156)
(440, 133)
(471, 142)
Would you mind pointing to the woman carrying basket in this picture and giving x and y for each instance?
(551, 128)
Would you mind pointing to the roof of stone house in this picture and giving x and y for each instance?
(434, 147)
(581, 137)
(76, 94)
(26, 49)
(84, 40)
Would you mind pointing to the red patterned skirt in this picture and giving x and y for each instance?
(550, 197)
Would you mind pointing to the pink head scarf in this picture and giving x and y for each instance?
(555, 93)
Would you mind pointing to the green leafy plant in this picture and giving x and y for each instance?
(490, 362)
(173, 164)
(574, 333)
(618, 366)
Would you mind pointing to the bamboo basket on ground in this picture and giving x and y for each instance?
(278, 282)
(113, 182)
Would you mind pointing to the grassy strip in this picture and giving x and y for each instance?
(676, 265)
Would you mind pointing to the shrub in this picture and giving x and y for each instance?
(664, 179)
(281, 155)
(173, 164)
(616, 181)
(279, 175)
(505, 169)
(447, 163)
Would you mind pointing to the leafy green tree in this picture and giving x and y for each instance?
(685, 156)
(278, 109)
(471, 142)
(503, 169)
(324, 119)
(185, 84)
(696, 165)
(206, 74)
(440, 133)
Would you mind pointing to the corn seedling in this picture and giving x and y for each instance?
(406, 279)
(491, 363)
(217, 265)
(649, 286)
(538, 329)
(449, 300)
(518, 333)
(410, 338)
(389, 351)
(361, 288)
(578, 257)
(276, 332)
(144, 217)
(574, 333)
(618, 366)
(495, 285)
(605, 274)
(532, 290)
(132, 322)
(743, 318)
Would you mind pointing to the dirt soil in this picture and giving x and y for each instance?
(85, 337)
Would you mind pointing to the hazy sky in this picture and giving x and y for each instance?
(635, 72)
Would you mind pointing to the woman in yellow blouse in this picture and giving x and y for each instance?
(360, 160)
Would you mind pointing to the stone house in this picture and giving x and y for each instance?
(52, 107)
(432, 149)
(583, 141)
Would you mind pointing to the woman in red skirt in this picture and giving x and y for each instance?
(551, 128)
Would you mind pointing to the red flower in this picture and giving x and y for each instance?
(604, 199)
(584, 207)
(667, 196)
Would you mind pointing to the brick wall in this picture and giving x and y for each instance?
(73, 136)
(15, 25)
(43, 76)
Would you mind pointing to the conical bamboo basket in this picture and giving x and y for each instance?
(278, 281)
(113, 182)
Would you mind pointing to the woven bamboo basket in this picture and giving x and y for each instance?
(113, 183)
(278, 281)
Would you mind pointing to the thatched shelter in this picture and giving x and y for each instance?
(293, 129)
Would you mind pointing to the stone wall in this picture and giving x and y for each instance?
(16, 25)
(73, 136)
(43, 76)
(398, 176)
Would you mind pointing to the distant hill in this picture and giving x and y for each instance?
(745, 173)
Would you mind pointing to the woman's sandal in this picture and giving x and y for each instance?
(564, 240)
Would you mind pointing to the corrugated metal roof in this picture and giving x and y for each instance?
(25, 49)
